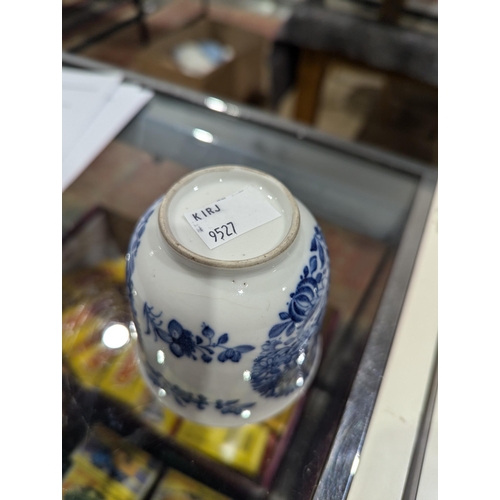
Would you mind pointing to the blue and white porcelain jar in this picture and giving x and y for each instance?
(228, 278)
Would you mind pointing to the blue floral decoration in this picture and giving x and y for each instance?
(184, 398)
(183, 343)
(132, 254)
(286, 358)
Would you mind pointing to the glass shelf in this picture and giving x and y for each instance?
(372, 207)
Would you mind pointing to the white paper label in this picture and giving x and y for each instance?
(230, 217)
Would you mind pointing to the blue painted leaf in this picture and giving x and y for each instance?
(319, 277)
(277, 329)
(313, 263)
(206, 358)
(321, 255)
(166, 337)
(199, 340)
(290, 329)
(314, 246)
(208, 332)
(231, 402)
(244, 348)
(284, 315)
(223, 339)
(236, 356)
(306, 271)
(222, 356)
(210, 350)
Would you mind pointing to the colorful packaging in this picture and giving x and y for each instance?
(79, 483)
(177, 486)
(123, 380)
(115, 268)
(160, 419)
(80, 329)
(94, 307)
(92, 365)
(242, 447)
(127, 472)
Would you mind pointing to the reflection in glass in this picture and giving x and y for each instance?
(115, 336)
(216, 104)
(355, 464)
(203, 135)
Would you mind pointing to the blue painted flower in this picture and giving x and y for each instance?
(303, 300)
(183, 398)
(277, 369)
(135, 242)
(181, 341)
(234, 406)
(269, 368)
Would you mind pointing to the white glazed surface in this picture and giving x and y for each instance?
(243, 303)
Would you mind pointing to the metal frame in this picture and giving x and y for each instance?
(336, 475)
(354, 424)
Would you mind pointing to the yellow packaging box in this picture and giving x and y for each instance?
(126, 471)
(242, 447)
(177, 486)
(80, 482)
(159, 418)
(80, 329)
(279, 422)
(115, 267)
(92, 365)
(123, 380)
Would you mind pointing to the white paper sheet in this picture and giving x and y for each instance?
(84, 94)
(96, 107)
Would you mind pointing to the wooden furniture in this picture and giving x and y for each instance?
(84, 12)
(314, 36)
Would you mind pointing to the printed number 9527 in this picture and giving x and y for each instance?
(222, 231)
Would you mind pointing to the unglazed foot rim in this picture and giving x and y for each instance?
(167, 233)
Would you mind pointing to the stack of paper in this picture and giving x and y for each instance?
(95, 108)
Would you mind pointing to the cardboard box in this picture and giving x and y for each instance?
(237, 79)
